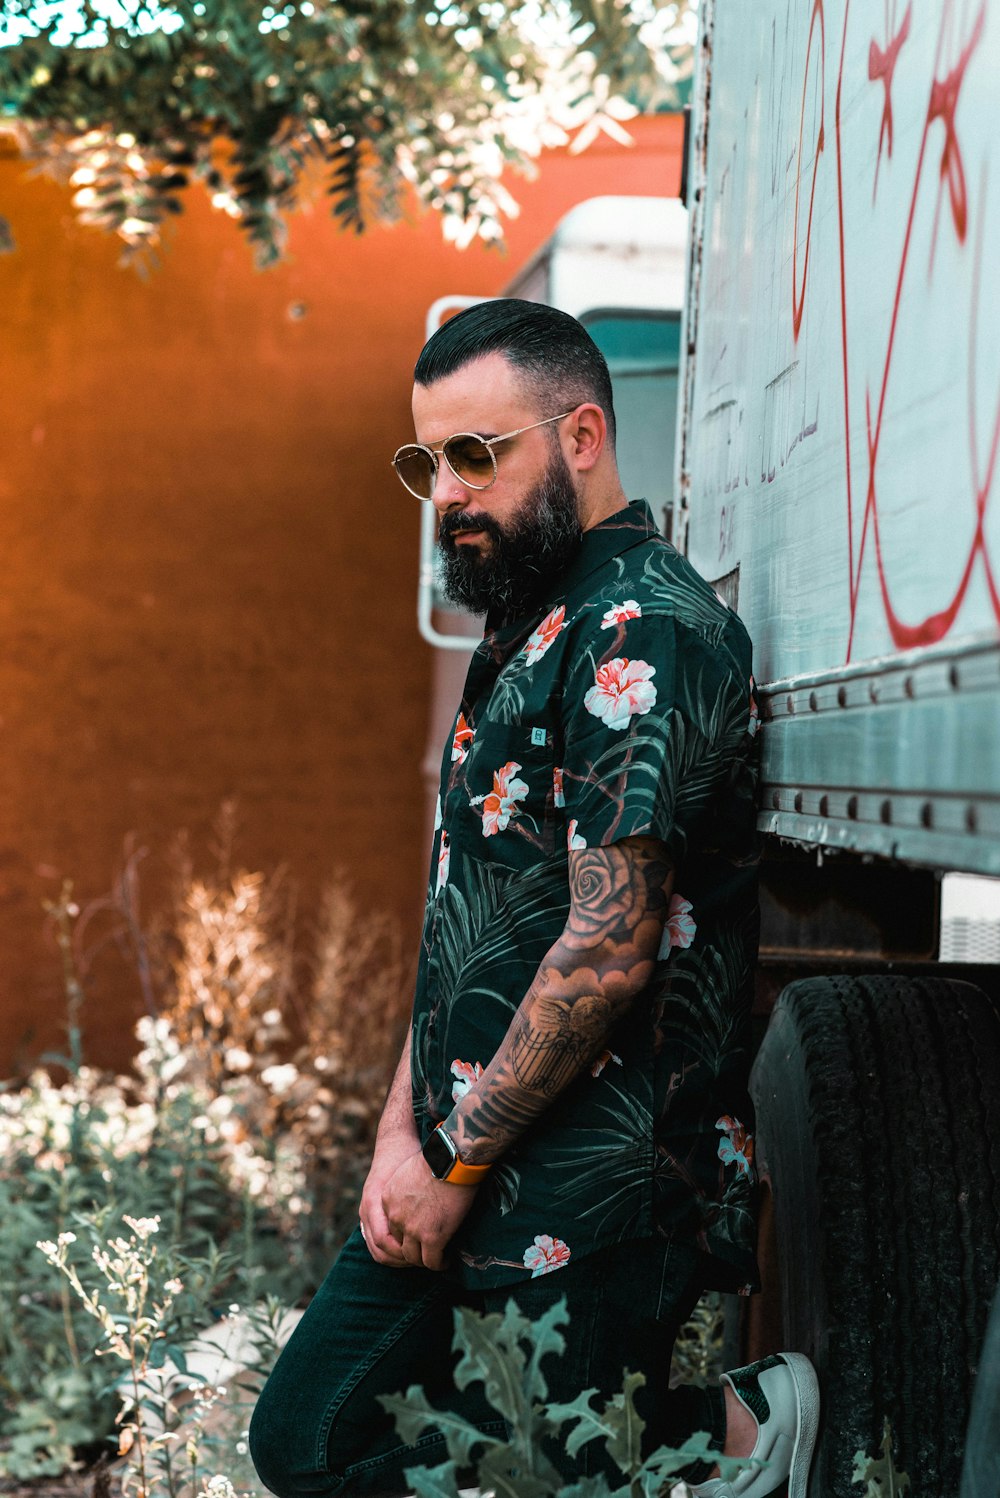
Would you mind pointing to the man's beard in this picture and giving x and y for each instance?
(523, 559)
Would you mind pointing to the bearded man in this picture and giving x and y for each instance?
(570, 1115)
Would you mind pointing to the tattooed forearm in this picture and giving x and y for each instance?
(585, 984)
(552, 1044)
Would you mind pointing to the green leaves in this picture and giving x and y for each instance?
(414, 1416)
(504, 1353)
(385, 95)
(618, 1423)
(434, 1482)
(878, 1473)
(494, 1354)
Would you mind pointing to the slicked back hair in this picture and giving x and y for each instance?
(554, 354)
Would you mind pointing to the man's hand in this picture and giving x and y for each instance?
(390, 1152)
(423, 1214)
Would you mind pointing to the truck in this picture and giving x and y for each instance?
(826, 374)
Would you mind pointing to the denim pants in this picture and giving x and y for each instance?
(370, 1330)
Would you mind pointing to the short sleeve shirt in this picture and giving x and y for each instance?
(624, 706)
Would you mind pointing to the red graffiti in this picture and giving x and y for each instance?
(882, 66)
(799, 295)
(944, 101)
(942, 106)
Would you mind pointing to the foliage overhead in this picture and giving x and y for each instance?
(133, 99)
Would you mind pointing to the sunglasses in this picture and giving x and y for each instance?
(470, 457)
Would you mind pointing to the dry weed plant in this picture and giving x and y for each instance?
(297, 1051)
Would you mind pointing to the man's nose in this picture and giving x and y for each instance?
(449, 493)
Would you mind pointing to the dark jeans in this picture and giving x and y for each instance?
(318, 1429)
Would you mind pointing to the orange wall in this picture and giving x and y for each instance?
(209, 569)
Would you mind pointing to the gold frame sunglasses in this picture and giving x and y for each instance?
(462, 451)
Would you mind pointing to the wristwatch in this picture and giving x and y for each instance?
(442, 1156)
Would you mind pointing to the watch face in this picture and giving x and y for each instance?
(437, 1154)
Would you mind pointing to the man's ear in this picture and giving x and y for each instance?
(588, 435)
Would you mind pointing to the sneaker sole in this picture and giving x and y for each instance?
(807, 1402)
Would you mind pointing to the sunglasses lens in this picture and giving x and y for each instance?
(471, 460)
(415, 467)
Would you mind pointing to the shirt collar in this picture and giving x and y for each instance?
(609, 538)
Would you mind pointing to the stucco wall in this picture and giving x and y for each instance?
(208, 567)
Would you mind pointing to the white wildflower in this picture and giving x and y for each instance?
(280, 1078)
(219, 1487)
(143, 1227)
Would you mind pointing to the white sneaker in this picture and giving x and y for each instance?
(782, 1395)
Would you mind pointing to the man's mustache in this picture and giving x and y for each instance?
(452, 525)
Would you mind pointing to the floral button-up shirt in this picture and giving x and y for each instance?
(622, 707)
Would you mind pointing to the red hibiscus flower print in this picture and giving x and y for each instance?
(501, 804)
(622, 689)
(680, 928)
(602, 1061)
(541, 638)
(444, 861)
(619, 612)
(573, 838)
(545, 1255)
(558, 794)
(467, 1074)
(736, 1146)
(462, 742)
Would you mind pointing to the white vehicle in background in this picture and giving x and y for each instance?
(824, 371)
(619, 265)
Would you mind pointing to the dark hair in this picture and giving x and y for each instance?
(555, 355)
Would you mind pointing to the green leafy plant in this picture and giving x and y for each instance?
(697, 1357)
(504, 1353)
(171, 1422)
(43, 1433)
(374, 101)
(878, 1474)
(247, 1142)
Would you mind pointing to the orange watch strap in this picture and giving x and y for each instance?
(464, 1175)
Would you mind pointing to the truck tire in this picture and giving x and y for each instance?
(877, 1100)
(981, 1470)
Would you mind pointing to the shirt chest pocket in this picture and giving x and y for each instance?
(511, 810)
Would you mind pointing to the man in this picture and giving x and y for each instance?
(572, 1095)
